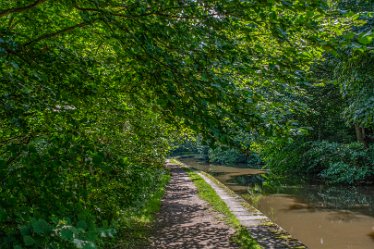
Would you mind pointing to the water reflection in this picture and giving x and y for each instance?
(320, 216)
(371, 235)
(357, 199)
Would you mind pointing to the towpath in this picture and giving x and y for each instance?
(187, 222)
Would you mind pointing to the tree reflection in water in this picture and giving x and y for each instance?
(357, 199)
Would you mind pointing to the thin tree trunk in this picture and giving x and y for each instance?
(360, 135)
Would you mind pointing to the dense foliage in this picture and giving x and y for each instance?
(339, 111)
(331, 110)
(329, 161)
(92, 91)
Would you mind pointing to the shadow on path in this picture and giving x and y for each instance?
(186, 221)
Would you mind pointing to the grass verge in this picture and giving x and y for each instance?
(137, 226)
(207, 193)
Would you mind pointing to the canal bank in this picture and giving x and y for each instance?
(261, 228)
(197, 212)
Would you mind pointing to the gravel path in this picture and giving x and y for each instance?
(186, 221)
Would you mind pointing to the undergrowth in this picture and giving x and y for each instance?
(138, 225)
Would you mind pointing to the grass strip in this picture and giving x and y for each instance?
(207, 193)
(137, 227)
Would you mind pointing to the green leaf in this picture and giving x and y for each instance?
(40, 226)
(82, 224)
(25, 230)
(3, 215)
(67, 234)
(366, 39)
(28, 240)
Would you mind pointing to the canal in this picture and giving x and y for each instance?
(320, 216)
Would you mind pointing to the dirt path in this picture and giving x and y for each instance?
(186, 221)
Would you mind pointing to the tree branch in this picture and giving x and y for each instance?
(59, 32)
(157, 13)
(20, 9)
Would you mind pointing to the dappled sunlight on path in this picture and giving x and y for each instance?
(186, 221)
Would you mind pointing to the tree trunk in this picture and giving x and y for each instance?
(360, 135)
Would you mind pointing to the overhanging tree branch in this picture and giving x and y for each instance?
(59, 32)
(20, 9)
(147, 13)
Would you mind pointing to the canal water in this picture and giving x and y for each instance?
(322, 217)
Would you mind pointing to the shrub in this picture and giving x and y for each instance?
(226, 156)
(281, 156)
(340, 172)
(329, 161)
(67, 191)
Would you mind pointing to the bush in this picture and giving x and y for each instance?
(75, 190)
(226, 156)
(341, 163)
(329, 161)
(340, 172)
(281, 156)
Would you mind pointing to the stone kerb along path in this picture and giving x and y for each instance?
(268, 234)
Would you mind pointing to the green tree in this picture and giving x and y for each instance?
(91, 91)
(354, 69)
